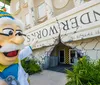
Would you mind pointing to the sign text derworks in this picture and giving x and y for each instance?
(83, 20)
(79, 21)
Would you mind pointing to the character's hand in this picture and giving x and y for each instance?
(33, 44)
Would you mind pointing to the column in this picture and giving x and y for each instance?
(31, 12)
(49, 9)
(78, 2)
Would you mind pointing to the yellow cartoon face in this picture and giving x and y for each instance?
(11, 40)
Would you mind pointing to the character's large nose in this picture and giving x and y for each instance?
(17, 40)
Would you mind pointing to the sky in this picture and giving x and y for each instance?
(7, 6)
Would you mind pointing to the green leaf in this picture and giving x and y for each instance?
(6, 1)
(86, 72)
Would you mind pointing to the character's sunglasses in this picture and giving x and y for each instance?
(19, 34)
(10, 31)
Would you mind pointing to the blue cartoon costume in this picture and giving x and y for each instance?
(9, 71)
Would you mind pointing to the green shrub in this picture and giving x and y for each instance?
(30, 66)
(84, 73)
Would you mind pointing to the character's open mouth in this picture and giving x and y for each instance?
(11, 54)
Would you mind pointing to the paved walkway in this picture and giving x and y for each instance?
(61, 68)
(48, 78)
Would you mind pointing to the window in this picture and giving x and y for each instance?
(27, 19)
(17, 5)
(41, 10)
(25, 1)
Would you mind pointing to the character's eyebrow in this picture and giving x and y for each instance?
(19, 30)
(8, 28)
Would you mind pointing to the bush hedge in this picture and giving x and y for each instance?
(84, 73)
(30, 66)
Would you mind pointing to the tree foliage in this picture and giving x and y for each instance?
(30, 66)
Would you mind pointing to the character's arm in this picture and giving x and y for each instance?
(27, 51)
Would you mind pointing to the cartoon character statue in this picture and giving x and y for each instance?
(11, 52)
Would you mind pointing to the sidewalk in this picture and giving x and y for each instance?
(48, 78)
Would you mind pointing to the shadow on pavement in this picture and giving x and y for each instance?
(61, 68)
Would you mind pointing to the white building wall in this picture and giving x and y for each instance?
(90, 47)
(85, 37)
(42, 55)
(79, 37)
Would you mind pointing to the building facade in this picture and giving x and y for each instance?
(65, 29)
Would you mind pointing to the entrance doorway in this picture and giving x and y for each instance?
(73, 56)
(61, 56)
